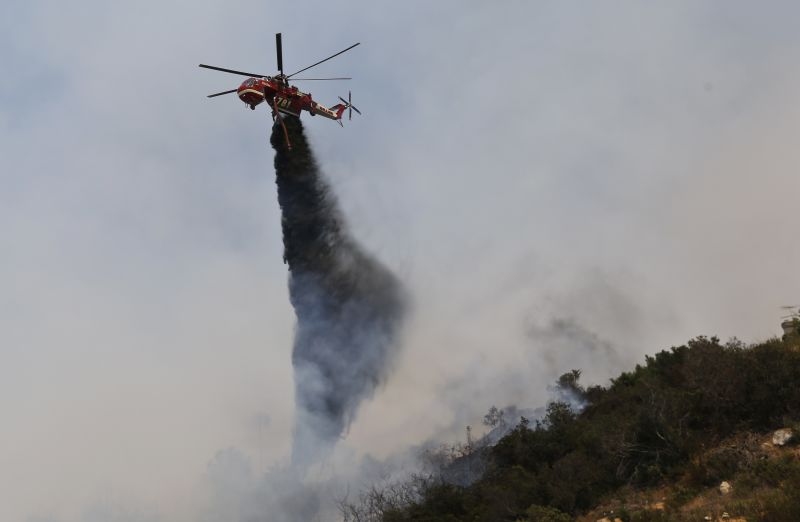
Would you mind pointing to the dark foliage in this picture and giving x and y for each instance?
(649, 425)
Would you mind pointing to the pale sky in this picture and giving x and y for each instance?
(628, 168)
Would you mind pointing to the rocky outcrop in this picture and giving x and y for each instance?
(783, 437)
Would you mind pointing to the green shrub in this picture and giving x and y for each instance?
(545, 514)
(649, 425)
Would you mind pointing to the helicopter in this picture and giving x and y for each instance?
(284, 98)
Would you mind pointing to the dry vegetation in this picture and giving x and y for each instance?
(654, 445)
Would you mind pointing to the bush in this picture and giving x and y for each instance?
(650, 424)
(545, 514)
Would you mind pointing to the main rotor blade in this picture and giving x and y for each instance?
(279, 49)
(221, 93)
(308, 79)
(325, 60)
(232, 71)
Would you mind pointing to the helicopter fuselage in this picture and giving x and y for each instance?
(287, 99)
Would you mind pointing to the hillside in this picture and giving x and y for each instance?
(656, 444)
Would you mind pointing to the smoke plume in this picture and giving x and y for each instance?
(349, 307)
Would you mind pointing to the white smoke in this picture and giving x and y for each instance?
(571, 163)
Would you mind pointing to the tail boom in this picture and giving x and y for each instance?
(333, 113)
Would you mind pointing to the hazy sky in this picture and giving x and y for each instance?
(559, 184)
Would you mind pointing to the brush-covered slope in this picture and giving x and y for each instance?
(653, 445)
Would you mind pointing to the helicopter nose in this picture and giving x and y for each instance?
(250, 95)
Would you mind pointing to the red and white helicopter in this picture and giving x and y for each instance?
(285, 98)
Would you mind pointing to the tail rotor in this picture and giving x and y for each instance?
(348, 104)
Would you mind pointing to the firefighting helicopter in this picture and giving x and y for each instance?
(284, 98)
